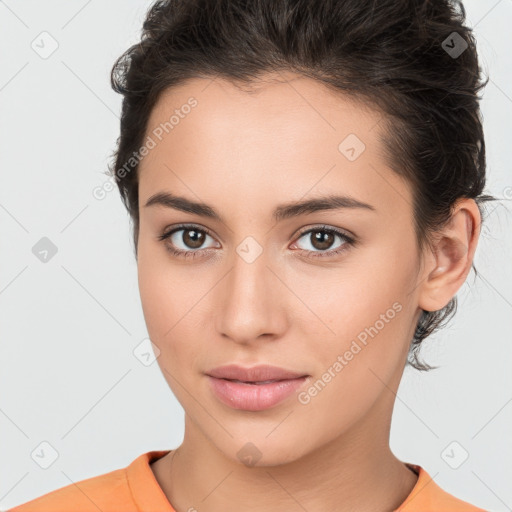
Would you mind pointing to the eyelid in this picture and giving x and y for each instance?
(348, 234)
(168, 233)
(325, 227)
(348, 238)
(348, 241)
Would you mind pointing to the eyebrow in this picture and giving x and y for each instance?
(281, 212)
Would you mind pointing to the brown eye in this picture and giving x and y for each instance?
(321, 240)
(185, 240)
(193, 238)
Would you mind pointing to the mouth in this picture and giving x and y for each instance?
(256, 375)
(254, 396)
(257, 383)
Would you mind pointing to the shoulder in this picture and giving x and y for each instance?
(91, 494)
(107, 492)
(427, 495)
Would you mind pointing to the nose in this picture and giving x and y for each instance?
(252, 301)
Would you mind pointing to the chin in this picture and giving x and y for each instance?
(264, 453)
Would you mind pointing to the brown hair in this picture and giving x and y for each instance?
(413, 60)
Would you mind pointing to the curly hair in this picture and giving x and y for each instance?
(414, 61)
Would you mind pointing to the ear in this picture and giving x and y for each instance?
(450, 262)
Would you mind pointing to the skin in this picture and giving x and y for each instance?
(244, 154)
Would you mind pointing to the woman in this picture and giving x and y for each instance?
(305, 181)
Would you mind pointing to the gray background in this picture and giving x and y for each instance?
(69, 327)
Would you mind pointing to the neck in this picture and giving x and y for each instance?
(354, 471)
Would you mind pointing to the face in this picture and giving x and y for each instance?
(326, 292)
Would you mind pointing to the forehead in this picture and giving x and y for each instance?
(287, 133)
(278, 103)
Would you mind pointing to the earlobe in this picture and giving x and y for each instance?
(452, 257)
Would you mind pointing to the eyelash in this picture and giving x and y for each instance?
(192, 254)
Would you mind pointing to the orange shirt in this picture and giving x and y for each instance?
(135, 489)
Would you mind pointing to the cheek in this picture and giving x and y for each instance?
(170, 303)
(156, 299)
(162, 288)
(355, 365)
(363, 315)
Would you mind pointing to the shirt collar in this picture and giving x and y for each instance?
(146, 492)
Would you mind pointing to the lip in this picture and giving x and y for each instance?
(257, 373)
(252, 395)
